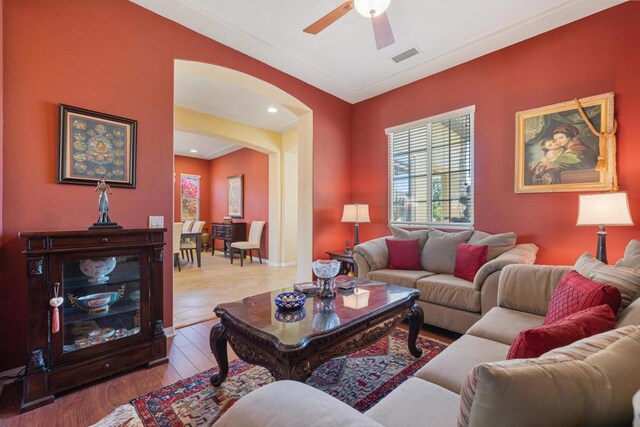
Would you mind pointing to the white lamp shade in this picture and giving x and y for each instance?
(604, 209)
(371, 8)
(355, 213)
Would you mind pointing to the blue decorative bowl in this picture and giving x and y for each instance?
(289, 301)
(289, 316)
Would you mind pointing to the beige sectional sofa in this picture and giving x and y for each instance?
(448, 302)
(590, 382)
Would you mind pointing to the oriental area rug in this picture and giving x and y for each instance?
(360, 380)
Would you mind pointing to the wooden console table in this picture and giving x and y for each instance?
(228, 233)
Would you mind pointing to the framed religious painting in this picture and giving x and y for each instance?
(235, 190)
(94, 145)
(568, 146)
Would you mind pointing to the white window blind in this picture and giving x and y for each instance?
(431, 170)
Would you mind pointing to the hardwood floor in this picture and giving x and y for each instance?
(189, 354)
(197, 290)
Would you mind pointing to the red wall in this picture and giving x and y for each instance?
(591, 56)
(193, 166)
(255, 168)
(116, 57)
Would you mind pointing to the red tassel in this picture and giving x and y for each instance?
(55, 320)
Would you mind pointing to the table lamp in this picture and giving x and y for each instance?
(603, 209)
(356, 213)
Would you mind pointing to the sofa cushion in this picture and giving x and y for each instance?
(497, 243)
(534, 342)
(406, 278)
(575, 293)
(439, 253)
(627, 280)
(403, 254)
(503, 324)
(631, 255)
(446, 289)
(469, 259)
(555, 390)
(414, 400)
(581, 349)
(282, 402)
(450, 368)
(402, 234)
(631, 315)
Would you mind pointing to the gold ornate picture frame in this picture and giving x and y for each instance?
(558, 150)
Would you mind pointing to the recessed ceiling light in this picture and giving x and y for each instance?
(194, 151)
(272, 109)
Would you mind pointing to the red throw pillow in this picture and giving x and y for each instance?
(469, 259)
(575, 292)
(403, 254)
(534, 342)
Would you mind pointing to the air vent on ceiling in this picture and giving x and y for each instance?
(406, 54)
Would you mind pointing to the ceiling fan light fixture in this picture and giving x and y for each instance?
(371, 8)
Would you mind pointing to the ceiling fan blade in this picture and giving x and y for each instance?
(329, 18)
(382, 31)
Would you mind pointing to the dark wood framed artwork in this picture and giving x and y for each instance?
(557, 151)
(235, 200)
(93, 145)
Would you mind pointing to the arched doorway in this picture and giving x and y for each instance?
(278, 156)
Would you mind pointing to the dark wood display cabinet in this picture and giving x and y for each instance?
(109, 285)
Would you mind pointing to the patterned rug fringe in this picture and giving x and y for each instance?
(123, 416)
(360, 380)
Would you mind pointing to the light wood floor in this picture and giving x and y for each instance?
(197, 290)
(189, 354)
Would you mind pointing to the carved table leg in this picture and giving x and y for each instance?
(218, 344)
(416, 319)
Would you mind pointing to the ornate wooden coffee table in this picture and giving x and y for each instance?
(292, 345)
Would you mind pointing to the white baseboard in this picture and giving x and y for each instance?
(282, 264)
(169, 331)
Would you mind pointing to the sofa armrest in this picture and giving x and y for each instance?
(520, 254)
(528, 288)
(286, 403)
(363, 266)
(373, 255)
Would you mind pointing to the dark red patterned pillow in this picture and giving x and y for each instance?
(534, 342)
(469, 259)
(575, 292)
(404, 254)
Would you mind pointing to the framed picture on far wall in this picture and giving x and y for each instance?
(93, 145)
(235, 191)
(557, 151)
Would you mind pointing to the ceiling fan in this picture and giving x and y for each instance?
(374, 9)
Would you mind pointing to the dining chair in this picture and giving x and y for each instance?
(255, 236)
(186, 227)
(188, 245)
(177, 232)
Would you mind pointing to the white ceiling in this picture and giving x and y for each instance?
(343, 59)
(206, 94)
(207, 148)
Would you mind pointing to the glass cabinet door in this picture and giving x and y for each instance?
(102, 300)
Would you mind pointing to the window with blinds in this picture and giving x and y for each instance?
(431, 170)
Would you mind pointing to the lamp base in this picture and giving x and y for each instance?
(356, 241)
(602, 245)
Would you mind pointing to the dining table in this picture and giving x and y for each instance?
(198, 238)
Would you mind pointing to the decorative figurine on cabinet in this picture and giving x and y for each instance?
(104, 221)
